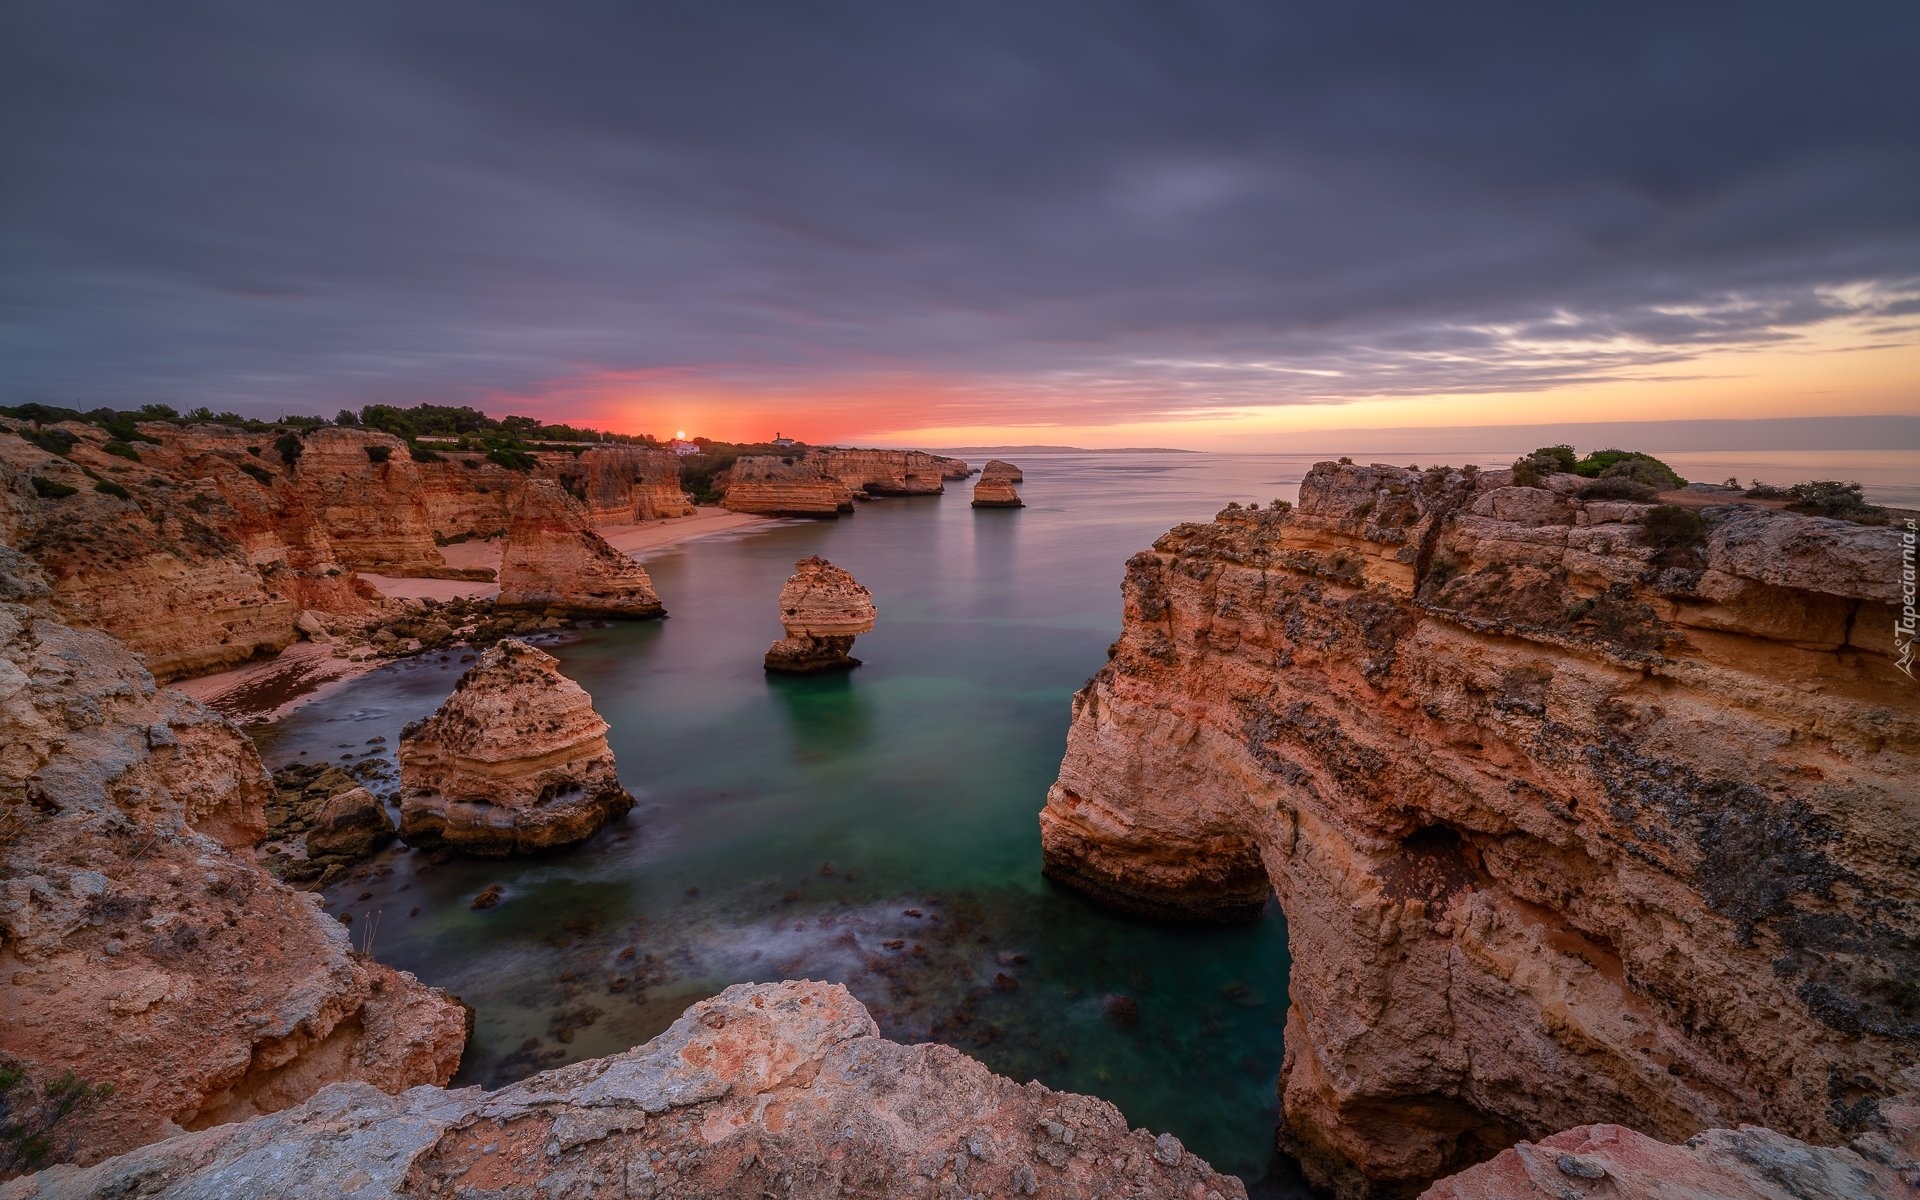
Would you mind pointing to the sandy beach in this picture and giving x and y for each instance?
(270, 688)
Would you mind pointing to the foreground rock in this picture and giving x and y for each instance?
(822, 609)
(781, 1089)
(1569, 828)
(995, 489)
(514, 762)
(140, 945)
(552, 561)
(1748, 1163)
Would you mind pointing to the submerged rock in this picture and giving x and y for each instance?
(552, 561)
(514, 762)
(823, 609)
(766, 1089)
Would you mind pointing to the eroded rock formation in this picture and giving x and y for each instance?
(202, 546)
(884, 472)
(140, 945)
(822, 609)
(953, 468)
(553, 561)
(1568, 828)
(514, 762)
(995, 489)
(780, 1089)
(779, 487)
(1749, 1163)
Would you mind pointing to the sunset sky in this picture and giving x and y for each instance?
(1211, 225)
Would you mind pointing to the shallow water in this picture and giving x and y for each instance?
(876, 828)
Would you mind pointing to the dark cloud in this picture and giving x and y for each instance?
(1113, 208)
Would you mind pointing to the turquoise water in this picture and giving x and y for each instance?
(876, 828)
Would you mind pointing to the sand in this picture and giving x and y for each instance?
(269, 689)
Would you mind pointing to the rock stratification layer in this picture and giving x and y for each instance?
(995, 489)
(884, 472)
(784, 487)
(140, 944)
(822, 609)
(514, 762)
(1571, 824)
(782, 1089)
(552, 561)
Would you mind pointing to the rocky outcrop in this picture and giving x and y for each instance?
(822, 609)
(995, 489)
(779, 487)
(1748, 1163)
(620, 485)
(952, 468)
(350, 825)
(140, 945)
(514, 762)
(1569, 828)
(552, 561)
(884, 472)
(767, 1089)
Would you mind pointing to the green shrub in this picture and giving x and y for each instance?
(120, 449)
(264, 476)
(379, 454)
(1831, 498)
(108, 487)
(419, 453)
(512, 458)
(290, 447)
(50, 489)
(30, 1116)
(53, 441)
(1527, 473)
(1654, 473)
(1617, 487)
(1672, 527)
(1554, 459)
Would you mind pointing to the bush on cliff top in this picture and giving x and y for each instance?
(1672, 527)
(1831, 498)
(50, 489)
(1618, 487)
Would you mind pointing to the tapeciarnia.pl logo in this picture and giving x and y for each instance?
(1904, 625)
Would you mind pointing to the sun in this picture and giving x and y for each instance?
(679, 435)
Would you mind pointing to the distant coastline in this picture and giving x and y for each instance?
(976, 450)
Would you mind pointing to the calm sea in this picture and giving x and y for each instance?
(877, 828)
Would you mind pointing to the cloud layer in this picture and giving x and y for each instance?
(1086, 212)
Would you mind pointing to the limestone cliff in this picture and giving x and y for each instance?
(140, 945)
(778, 487)
(1569, 828)
(782, 1089)
(514, 762)
(995, 489)
(822, 609)
(953, 468)
(884, 472)
(620, 485)
(551, 560)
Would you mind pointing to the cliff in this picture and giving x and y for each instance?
(884, 472)
(201, 547)
(550, 560)
(952, 468)
(780, 1089)
(140, 945)
(514, 762)
(777, 487)
(822, 609)
(1572, 822)
(995, 489)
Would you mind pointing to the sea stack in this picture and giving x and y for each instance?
(553, 562)
(514, 762)
(995, 489)
(823, 609)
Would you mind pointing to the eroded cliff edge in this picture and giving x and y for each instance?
(1568, 828)
(140, 943)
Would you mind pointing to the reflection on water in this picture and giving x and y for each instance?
(876, 827)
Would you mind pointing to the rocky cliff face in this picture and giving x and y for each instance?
(551, 560)
(220, 542)
(514, 762)
(774, 487)
(140, 945)
(952, 468)
(995, 489)
(822, 609)
(884, 472)
(780, 1089)
(1568, 828)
